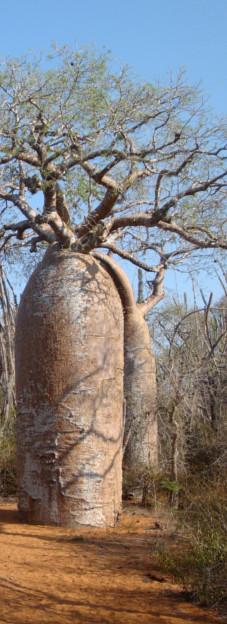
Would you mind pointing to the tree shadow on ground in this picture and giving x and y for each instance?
(8, 516)
(110, 606)
(85, 576)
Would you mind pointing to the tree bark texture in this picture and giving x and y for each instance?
(69, 381)
(140, 434)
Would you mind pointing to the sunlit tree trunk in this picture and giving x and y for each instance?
(69, 374)
(140, 434)
(140, 439)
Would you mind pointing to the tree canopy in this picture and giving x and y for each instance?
(92, 158)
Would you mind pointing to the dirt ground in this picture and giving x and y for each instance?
(86, 576)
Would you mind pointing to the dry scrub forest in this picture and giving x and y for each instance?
(113, 386)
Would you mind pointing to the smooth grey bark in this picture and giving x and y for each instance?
(69, 382)
(140, 434)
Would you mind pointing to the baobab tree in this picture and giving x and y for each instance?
(92, 160)
(140, 443)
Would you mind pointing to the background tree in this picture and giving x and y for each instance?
(93, 159)
(8, 306)
(191, 344)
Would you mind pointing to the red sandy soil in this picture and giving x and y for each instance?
(53, 575)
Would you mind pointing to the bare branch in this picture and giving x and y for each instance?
(128, 256)
(198, 243)
(157, 294)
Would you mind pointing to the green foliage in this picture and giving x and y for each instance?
(149, 487)
(7, 463)
(91, 125)
(199, 560)
(168, 485)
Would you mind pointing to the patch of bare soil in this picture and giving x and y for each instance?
(87, 576)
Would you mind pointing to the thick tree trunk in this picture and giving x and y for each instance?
(140, 436)
(141, 441)
(69, 374)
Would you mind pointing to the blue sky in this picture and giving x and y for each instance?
(153, 37)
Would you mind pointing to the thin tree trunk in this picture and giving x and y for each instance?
(7, 334)
(174, 455)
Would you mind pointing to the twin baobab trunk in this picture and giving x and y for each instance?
(69, 368)
(140, 437)
(69, 371)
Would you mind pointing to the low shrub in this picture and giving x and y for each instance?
(199, 561)
(7, 464)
